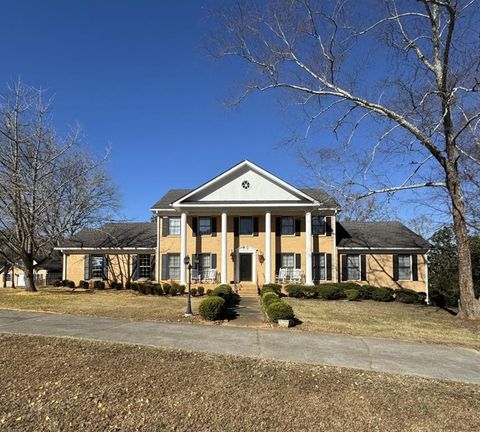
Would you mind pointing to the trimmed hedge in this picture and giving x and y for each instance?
(295, 290)
(224, 291)
(272, 287)
(279, 310)
(269, 298)
(98, 284)
(212, 308)
(70, 284)
(331, 292)
(166, 288)
(352, 294)
(84, 284)
(200, 291)
(409, 296)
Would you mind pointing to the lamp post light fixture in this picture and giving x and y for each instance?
(188, 311)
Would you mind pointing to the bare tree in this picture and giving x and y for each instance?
(407, 70)
(49, 187)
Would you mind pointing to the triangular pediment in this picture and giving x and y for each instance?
(245, 183)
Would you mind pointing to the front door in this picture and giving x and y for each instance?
(245, 267)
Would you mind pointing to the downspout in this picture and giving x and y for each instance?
(427, 298)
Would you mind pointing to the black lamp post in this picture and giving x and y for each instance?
(188, 311)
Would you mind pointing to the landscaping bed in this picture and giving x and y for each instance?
(95, 386)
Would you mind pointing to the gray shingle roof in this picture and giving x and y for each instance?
(391, 234)
(115, 235)
(175, 194)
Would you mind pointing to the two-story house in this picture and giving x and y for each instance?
(248, 227)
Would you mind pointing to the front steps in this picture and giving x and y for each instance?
(245, 289)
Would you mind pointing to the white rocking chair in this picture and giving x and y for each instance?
(282, 275)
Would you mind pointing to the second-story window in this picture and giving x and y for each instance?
(288, 225)
(173, 226)
(204, 226)
(318, 225)
(246, 225)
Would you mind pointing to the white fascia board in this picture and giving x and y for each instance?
(113, 250)
(254, 167)
(380, 248)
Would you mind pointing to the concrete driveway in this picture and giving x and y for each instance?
(433, 361)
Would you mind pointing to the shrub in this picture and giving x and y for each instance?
(382, 294)
(57, 283)
(211, 308)
(128, 285)
(98, 284)
(84, 284)
(116, 285)
(181, 289)
(157, 289)
(279, 310)
(310, 291)
(166, 288)
(352, 294)
(70, 284)
(174, 290)
(266, 289)
(134, 286)
(64, 282)
(269, 298)
(193, 291)
(294, 290)
(201, 291)
(209, 292)
(224, 291)
(276, 288)
(142, 289)
(404, 295)
(331, 292)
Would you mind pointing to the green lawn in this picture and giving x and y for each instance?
(108, 303)
(52, 384)
(386, 320)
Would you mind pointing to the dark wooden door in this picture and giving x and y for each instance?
(246, 267)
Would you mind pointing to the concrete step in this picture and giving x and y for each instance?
(247, 290)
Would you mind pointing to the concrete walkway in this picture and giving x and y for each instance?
(247, 313)
(434, 361)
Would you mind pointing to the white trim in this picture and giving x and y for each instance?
(64, 267)
(223, 275)
(245, 250)
(268, 247)
(158, 263)
(254, 167)
(262, 204)
(378, 248)
(109, 249)
(183, 247)
(425, 263)
(308, 249)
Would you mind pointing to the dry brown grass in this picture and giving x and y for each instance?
(108, 303)
(386, 320)
(50, 384)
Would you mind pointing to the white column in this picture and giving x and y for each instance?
(183, 247)
(64, 267)
(268, 247)
(158, 262)
(223, 276)
(308, 248)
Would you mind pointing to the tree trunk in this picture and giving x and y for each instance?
(469, 307)
(29, 274)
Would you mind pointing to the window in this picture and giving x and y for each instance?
(204, 263)
(246, 225)
(98, 267)
(353, 267)
(174, 266)
(318, 225)
(288, 225)
(173, 226)
(8, 277)
(204, 226)
(288, 260)
(404, 267)
(319, 266)
(144, 266)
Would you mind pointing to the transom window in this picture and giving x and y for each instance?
(174, 266)
(246, 225)
(98, 266)
(204, 226)
(404, 267)
(173, 226)
(144, 266)
(288, 260)
(353, 267)
(288, 225)
(318, 225)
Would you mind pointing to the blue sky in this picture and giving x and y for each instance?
(135, 75)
